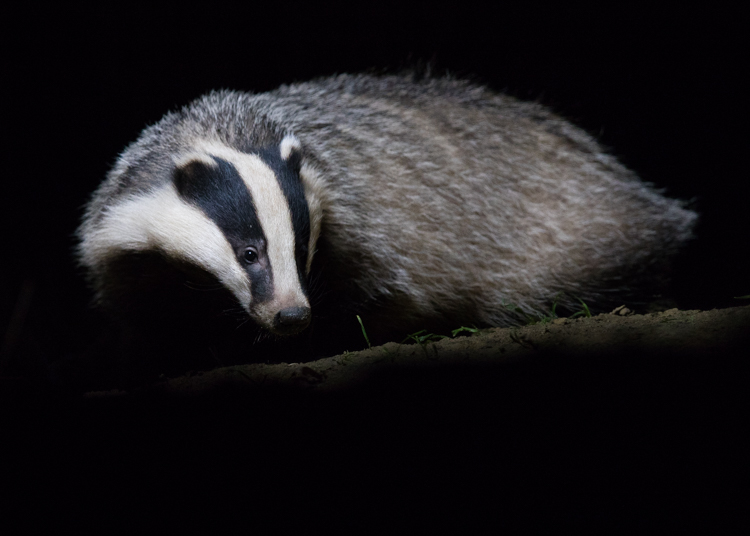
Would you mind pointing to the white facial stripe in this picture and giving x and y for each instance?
(274, 217)
(161, 220)
(314, 198)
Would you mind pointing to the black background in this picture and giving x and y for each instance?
(664, 89)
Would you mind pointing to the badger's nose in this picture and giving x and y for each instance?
(291, 320)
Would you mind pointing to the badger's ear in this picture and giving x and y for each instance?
(291, 151)
(193, 176)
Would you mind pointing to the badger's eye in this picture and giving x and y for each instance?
(250, 256)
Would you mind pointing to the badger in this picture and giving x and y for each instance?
(410, 202)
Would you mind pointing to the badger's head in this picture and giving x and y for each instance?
(245, 218)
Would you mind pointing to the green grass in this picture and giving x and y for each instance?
(422, 337)
(367, 339)
(532, 319)
(471, 330)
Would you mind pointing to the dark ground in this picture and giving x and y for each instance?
(609, 424)
(645, 444)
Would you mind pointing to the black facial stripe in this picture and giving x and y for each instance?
(221, 194)
(287, 174)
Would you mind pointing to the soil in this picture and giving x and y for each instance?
(610, 336)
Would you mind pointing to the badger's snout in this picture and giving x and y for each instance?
(291, 320)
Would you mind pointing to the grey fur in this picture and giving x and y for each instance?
(441, 201)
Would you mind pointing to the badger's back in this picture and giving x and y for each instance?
(437, 202)
(448, 200)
